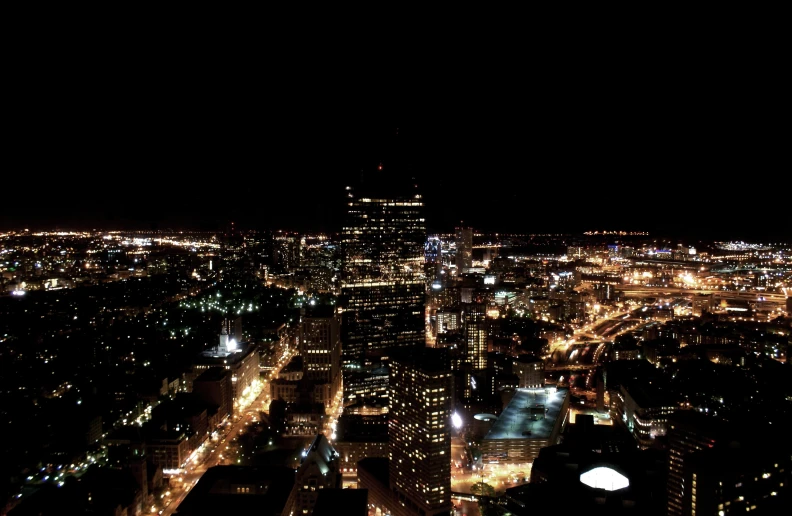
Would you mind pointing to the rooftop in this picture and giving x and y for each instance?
(216, 356)
(517, 416)
(353, 501)
(217, 491)
(427, 360)
(212, 374)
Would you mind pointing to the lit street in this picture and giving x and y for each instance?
(221, 448)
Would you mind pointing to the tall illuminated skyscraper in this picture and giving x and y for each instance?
(473, 364)
(474, 317)
(464, 249)
(383, 292)
(419, 432)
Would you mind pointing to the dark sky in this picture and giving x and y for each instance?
(673, 140)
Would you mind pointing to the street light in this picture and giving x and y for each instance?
(456, 420)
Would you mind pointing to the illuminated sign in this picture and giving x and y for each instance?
(489, 280)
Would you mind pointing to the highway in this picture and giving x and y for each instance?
(771, 297)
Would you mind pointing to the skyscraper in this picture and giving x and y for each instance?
(318, 471)
(320, 348)
(688, 432)
(464, 249)
(474, 317)
(419, 432)
(382, 285)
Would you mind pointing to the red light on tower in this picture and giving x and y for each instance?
(380, 167)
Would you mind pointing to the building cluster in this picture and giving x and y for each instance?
(43, 261)
(617, 368)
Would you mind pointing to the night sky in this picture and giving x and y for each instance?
(686, 144)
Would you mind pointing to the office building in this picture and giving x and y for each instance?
(529, 369)
(448, 320)
(240, 359)
(320, 348)
(419, 432)
(464, 249)
(358, 437)
(474, 317)
(214, 387)
(644, 408)
(383, 290)
(688, 431)
(750, 477)
(318, 471)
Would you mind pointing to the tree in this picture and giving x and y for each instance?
(482, 489)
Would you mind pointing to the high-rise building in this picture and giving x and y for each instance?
(318, 471)
(464, 249)
(320, 348)
(470, 366)
(419, 432)
(383, 292)
(288, 251)
(688, 431)
(474, 318)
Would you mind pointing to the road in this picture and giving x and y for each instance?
(214, 452)
(219, 449)
(768, 297)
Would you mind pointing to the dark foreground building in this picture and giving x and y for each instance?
(239, 490)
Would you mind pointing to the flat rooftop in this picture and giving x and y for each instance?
(517, 417)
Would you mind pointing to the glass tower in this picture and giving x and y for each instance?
(383, 293)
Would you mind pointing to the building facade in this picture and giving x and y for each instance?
(419, 432)
(383, 291)
(240, 359)
(214, 386)
(474, 316)
(320, 348)
(318, 471)
(530, 371)
(464, 249)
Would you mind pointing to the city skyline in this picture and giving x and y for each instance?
(316, 202)
(671, 138)
(549, 345)
(464, 284)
